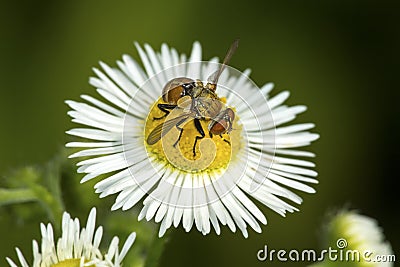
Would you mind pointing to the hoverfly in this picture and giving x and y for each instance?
(204, 105)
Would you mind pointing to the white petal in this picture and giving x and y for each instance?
(10, 262)
(21, 258)
(128, 244)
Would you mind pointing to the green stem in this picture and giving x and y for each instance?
(13, 196)
(35, 192)
(156, 249)
(52, 204)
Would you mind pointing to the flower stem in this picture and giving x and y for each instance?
(13, 196)
(157, 248)
(52, 204)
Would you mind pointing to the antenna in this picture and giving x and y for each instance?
(213, 78)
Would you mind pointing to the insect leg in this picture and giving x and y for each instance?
(225, 139)
(164, 108)
(181, 130)
(197, 124)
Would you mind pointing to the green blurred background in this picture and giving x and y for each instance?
(340, 58)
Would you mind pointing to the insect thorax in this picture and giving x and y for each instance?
(207, 107)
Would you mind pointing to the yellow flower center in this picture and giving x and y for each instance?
(69, 263)
(211, 153)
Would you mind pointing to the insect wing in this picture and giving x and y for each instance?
(163, 128)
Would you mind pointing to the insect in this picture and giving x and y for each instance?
(204, 105)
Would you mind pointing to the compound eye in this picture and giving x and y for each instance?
(173, 89)
(219, 127)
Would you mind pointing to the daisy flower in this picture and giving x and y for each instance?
(184, 173)
(356, 232)
(76, 247)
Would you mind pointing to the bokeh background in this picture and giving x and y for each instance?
(340, 58)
